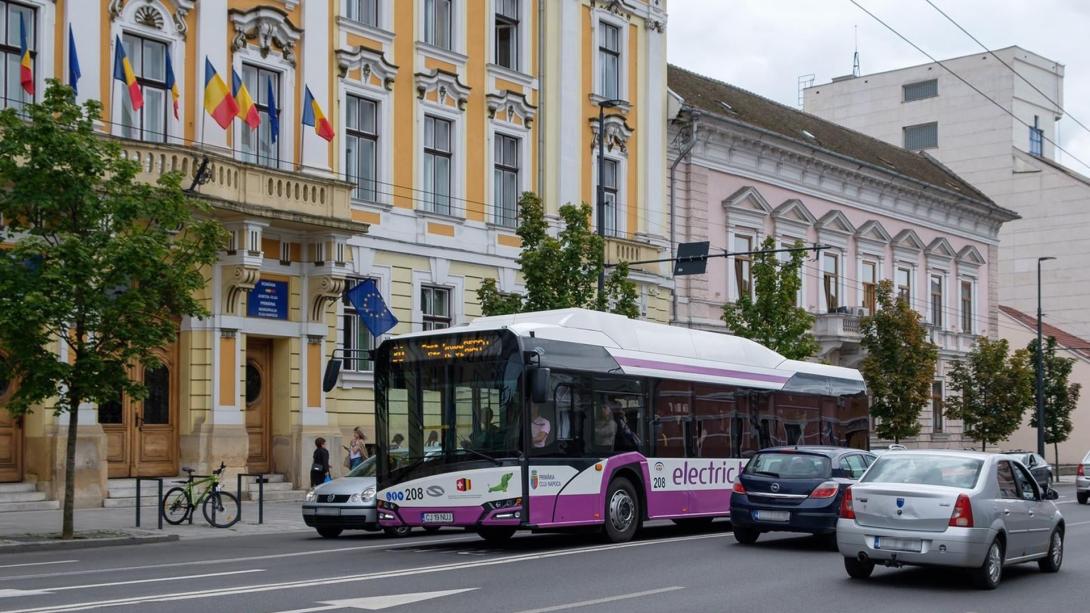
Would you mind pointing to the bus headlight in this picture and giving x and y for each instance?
(503, 504)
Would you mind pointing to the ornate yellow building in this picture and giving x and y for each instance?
(444, 112)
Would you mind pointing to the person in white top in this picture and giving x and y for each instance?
(539, 429)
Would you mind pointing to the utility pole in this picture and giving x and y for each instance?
(1040, 367)
(601, 204)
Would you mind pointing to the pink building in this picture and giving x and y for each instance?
(750, 168)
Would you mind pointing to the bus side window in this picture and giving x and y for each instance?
(669, 426)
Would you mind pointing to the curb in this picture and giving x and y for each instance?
(17, 547)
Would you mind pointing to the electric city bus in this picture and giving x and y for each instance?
(575, 418)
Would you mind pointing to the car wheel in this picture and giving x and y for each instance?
(1082, 497)
(1051, 563)
(858, 569)
(987, 577)
(496, 534)
(746, 536)
(329, 533)
(622, 511)
(398, 531)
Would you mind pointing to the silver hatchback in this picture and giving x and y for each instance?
(977, 511)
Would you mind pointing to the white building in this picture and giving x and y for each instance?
(1011, 159)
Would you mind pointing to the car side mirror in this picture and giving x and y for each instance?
(538, 378)
(1051, 494)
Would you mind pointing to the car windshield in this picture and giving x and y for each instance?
(366, 468)
(951, 471)
(786, 465)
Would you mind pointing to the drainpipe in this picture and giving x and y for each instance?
(540, 98)
(694, 116)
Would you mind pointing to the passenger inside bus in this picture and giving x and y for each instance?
(539, 428)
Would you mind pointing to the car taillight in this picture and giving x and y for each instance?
(738, 488)
(1080, 471)
(846, 510)
(825, 490)
(962, 517)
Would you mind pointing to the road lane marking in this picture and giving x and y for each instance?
(377, 603)
(250, 589)
(204, 562)
(156, 580)
(1078, 523)
(587, 603)
(10, 593)
(38, 563)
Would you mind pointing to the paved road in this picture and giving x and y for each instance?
(665, 570)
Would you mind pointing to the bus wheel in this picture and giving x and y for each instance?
(622, 511)
(496, 534)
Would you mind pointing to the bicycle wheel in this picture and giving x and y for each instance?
(221, 509)
(175, 506)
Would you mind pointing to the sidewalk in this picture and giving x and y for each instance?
(116, 524)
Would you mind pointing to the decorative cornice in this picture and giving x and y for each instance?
(513, 103)
(446, 84)
(267, 27)
(617, 132)
(239, 280)
(150, 16)
(369, 62)
(326, 290)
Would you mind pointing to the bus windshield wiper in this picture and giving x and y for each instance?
(480, 455)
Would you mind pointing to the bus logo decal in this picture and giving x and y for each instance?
(658, 467)
(463, 485)
(533, 479)
(435, 491)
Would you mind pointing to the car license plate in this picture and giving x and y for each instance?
(771, 515)
(896, 544)
(438, 518)
(328, 511)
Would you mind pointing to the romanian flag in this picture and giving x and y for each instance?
(247, 110)
(313, 116)
(172, 84)
(218, 100)
(26, 67)
(123, 72)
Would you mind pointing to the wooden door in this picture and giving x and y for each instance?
(259, 404)
(155, 421)
(11, 438)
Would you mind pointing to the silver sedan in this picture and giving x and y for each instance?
(970, 510)
(347, 503)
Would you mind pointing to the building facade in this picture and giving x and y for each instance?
(757, 169)
(444, 112)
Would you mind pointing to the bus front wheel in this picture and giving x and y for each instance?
(496, 534)
(622, 511)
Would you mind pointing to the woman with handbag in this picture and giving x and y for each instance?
(319, 470)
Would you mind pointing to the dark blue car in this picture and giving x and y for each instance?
(793, 489)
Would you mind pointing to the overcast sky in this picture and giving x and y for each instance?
(765, 45)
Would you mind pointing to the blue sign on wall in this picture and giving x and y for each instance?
(268, 299)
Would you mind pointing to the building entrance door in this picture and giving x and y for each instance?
(142, 435)
(11, 438)
(259, 404)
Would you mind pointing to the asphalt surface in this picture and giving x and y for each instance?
(665, 569)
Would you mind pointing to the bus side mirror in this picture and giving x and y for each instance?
(332, 371)
(539, 383)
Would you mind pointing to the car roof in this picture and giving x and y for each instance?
(976, 455)
(828, 451)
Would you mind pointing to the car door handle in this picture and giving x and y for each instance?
(1006, 511)
(1031, 513)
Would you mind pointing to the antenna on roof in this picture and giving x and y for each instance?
(855, 56)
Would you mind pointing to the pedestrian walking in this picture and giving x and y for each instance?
(319, 470)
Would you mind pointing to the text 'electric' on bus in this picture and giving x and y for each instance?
(576, 418)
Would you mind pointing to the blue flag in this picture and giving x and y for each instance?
(73, 62)
(370, 307)
(274, 114)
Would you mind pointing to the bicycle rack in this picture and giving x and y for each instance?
(159, 500)
(261, 481)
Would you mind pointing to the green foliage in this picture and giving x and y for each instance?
(560, 271)
(992, 389)
(100, 265)
(773, 317)
(1061, 397)
(899, 366)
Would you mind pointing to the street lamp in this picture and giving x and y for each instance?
(601, 205)
(1040, 367)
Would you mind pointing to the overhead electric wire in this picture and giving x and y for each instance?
(1009, 67)
(963, 80)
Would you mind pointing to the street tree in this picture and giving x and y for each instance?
(561, 271)
(1061, 397)
(772, 316)
(899, 365)
(991, 389)
(97, 264)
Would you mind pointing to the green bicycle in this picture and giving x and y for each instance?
(221, 509)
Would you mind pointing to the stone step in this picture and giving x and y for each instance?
(279, 495)
(128, 503)
(22, 497)
(14, 488)
(40, 505)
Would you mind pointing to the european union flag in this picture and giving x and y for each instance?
(371, 308)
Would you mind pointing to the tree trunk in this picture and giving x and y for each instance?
(1056, 457)
(68, 527)
(983, 445)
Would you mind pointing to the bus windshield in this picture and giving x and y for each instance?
(444, 399)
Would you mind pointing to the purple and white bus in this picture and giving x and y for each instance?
(576, 418)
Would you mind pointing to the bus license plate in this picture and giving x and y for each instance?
(771, 515)
(438, 518)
